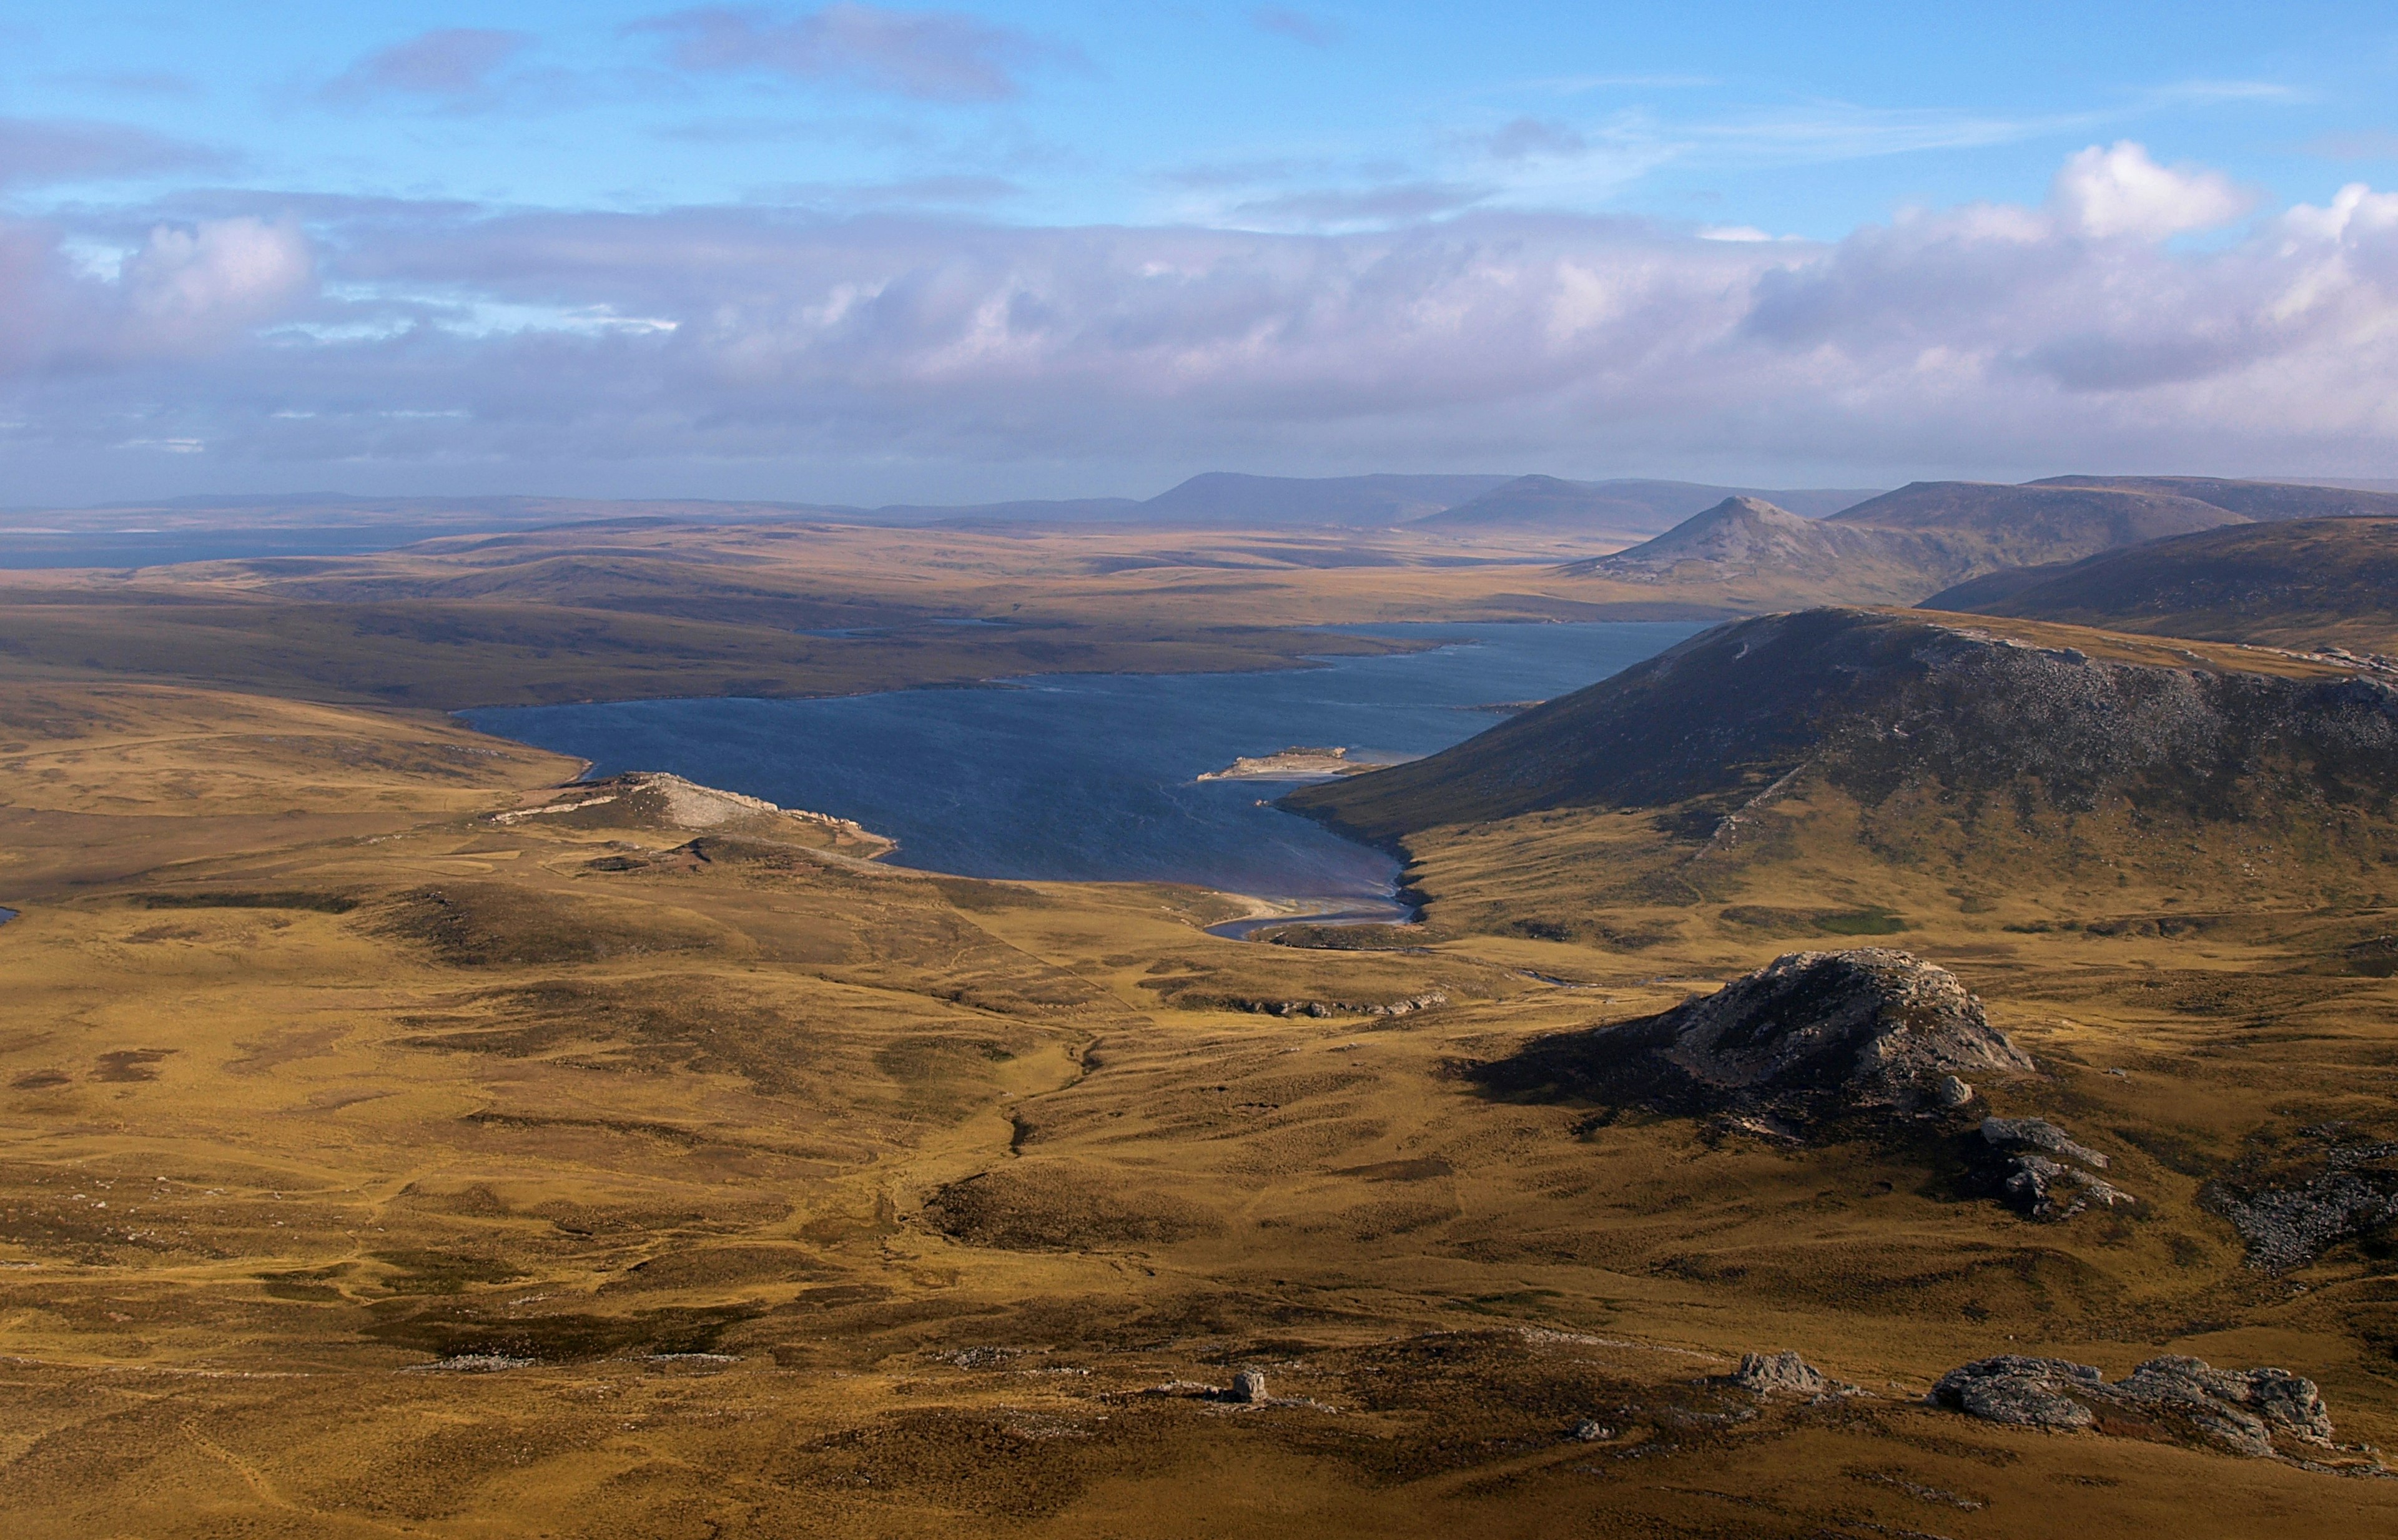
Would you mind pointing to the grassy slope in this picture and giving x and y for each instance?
(361, 1077)
(2313, 583)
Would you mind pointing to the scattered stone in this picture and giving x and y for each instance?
(2289, 1226)
(2255, 1412)
(980, 1357)
(1950, 1093)
(470, 1363)
(1785, 1373)
(1248, 1388)
(1592, 1432)
(1408, 1005)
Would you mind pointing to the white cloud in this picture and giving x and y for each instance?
(198, 285)
(2118, 191)
(2078, 331)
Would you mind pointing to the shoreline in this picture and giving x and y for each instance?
(1273, 914)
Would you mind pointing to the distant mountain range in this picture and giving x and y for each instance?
(1834, 545)
(1927, 536)
(1223, 500)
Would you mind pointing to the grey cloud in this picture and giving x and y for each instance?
(44, 150)
(929, 56)
(454, 64)
(1989, 336)
(1300, 27)
(1528, 137)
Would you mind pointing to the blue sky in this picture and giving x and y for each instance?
(858, 253)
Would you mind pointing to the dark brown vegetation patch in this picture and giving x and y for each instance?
(321, 903)
(471, 924)
(1815, 922)
(455, 1329)
(1056, 1207)
(130, 1065)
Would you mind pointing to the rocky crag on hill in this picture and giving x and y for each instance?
(1828, 1043)
(1812, 1039)
(1953, 744)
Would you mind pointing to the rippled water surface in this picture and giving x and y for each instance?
(1090, 776)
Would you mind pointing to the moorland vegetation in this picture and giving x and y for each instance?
(399, 1135)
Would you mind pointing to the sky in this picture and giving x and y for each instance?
(862, 253)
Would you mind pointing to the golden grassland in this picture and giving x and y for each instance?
(780, 1193)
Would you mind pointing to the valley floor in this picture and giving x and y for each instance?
(371, 1166)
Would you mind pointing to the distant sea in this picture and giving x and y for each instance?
(1092, 777)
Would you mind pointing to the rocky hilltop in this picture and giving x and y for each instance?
(1812, 1037)
(1948, 739)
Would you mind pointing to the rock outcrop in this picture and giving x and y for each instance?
(2036, 1169)
(1785, 1373)
(2259, 1413)
(1812, 1037)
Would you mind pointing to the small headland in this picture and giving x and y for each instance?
(1302, 764)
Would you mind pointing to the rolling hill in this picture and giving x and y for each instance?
(1222, 499)
(1929, 536)
(1632, 507)
(1745, 539)
(2309, 582)
(1874, 738)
